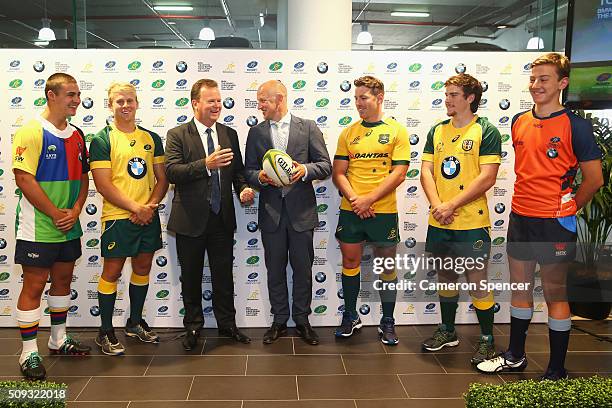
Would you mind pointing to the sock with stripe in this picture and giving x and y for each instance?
(58, 309)
(139, 285)
(28, 326)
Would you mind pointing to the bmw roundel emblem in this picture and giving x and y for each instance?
(181, 66)
(345, 86)
(364, 309)
(552, 153)
(137, 167)
(228, 103)
(450, 167)
(251, 121)
(252, 226)
(320, 277)
(410, 242)
(500, 208)
(504, 104)
(39, 66)
(91, 209)
(460, 68)
(94, 310)
(322, 67)
(87, 103)
(484, 85)
(414, 139)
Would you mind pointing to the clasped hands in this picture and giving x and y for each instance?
(444, 213)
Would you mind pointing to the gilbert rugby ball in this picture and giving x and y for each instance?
(278, 165)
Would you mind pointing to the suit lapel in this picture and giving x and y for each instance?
(196, 139)
(224, 142)
(267, 136)
(295, 132)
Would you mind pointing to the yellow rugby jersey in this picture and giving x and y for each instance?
(131, 157)
(371, 149)
(457, 155)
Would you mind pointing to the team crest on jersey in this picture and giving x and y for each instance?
(392, 234)
(147, 147)
(478, 244)
(467, 145)
(383, 139)
(440, 147)
(137, 167)
(450, 167)
(356, 140)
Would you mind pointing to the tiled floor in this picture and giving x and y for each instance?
(354, 373)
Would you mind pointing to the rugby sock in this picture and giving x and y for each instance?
(28, 326)
(448, 308)
(558, 337)
(351, 281)
(139, 285)
(58, 309)
(520, 317)
(388, 296)
(485, 312)
(107, 294)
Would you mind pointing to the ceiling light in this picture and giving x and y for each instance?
(171, 23)
(436, 48)
(46, 33)
(173, 8)
(535, 43)
(409, 14)
(364, 37)
(502, 26)
(42, 43)
(206, 34)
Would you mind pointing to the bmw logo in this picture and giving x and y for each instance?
(228, 103)
(2, 243)
(414, 139)
(94, 311)
(321, 120)
(364, 309)
(91, 209)
(73, 294)
(320, 277)
(340, 293)
(252, 226)
(345, 101)
(552, 153)
(410, 242)
(252, 64)
(450, 167)
(504, 104)
(460, 68)
(181, 82)
(181, 66)
(161, 260)
(207, 295)
(39, 66)
(251, 121)
(345, 86)
(87, 103)
(484, 85)
(496, 307)
(322, 67)
(137, 168)
(158, 64)
(500, 208)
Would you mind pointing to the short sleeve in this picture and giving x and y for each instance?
(99, 150)
(342, 152)
(490, 145)
(27, 145)
(428, 150)
(159, 154)
(401, 149)
(583, 141)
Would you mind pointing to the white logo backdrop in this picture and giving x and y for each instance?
(320, 88)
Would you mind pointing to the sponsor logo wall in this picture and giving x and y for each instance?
(320, 87)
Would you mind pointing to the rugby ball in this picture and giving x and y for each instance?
(278, 165)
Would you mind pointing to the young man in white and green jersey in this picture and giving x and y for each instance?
(127, 163)
(460, 162)
(371, 161)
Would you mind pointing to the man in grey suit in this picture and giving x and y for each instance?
(287, 215)
(203, 160)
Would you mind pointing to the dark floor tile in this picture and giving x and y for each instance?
(350, 386)
(197, 365)
(136, 389)
(244, 387)
(100, 365)
(391, 363)
(75, 404)
(10, 347)
(460, 363)
(595, 326)
(10, 333)
(295, 365)
(588, 343)
(581, 362)
(186, 404)
(535, 343)
(443, 385)
(359, 343)
(223, 346)
(75, 385)
(300, 404)
(9, 366)
(412, 402)
(414, 344)
(534, 328)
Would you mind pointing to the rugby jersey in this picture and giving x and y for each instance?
(371, 149)
(456, 154)
(57, 159)
(131, 157)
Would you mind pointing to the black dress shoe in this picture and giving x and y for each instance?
(274, 332)
(190, 341)
(306, 332)
(235, 333)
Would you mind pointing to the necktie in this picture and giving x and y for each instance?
(278, 139)
(215, 193)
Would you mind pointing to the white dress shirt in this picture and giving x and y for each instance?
(215, 137)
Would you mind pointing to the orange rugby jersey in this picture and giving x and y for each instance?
(546, 156)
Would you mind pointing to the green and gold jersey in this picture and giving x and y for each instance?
(131, 157)
(371, 149)
(457, 155)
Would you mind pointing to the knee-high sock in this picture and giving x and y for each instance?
(448, 308)
(558, 337)
(28, 326)
(58, 308)
(351, 281)
(485, 313)
(388, 296)
(139, 285)
(107, 294)
(520, 317)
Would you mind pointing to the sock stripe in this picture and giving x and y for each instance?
(105, 287)
(139, 280)
(351, 271)
(484, 303)
(28, 333)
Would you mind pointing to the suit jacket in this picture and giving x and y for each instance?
(186, 168)
(306, 146)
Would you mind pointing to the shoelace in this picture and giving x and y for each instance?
(439, 335)
(387, 327)
(111, 337)
(483, 347)
(34, 360)
(346, 320)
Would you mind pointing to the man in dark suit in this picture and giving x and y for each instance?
(287, 215)
(203, 160)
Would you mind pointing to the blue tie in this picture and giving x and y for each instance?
(215, 193)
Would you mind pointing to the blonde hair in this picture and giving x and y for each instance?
(117, 87)
(561, 63)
